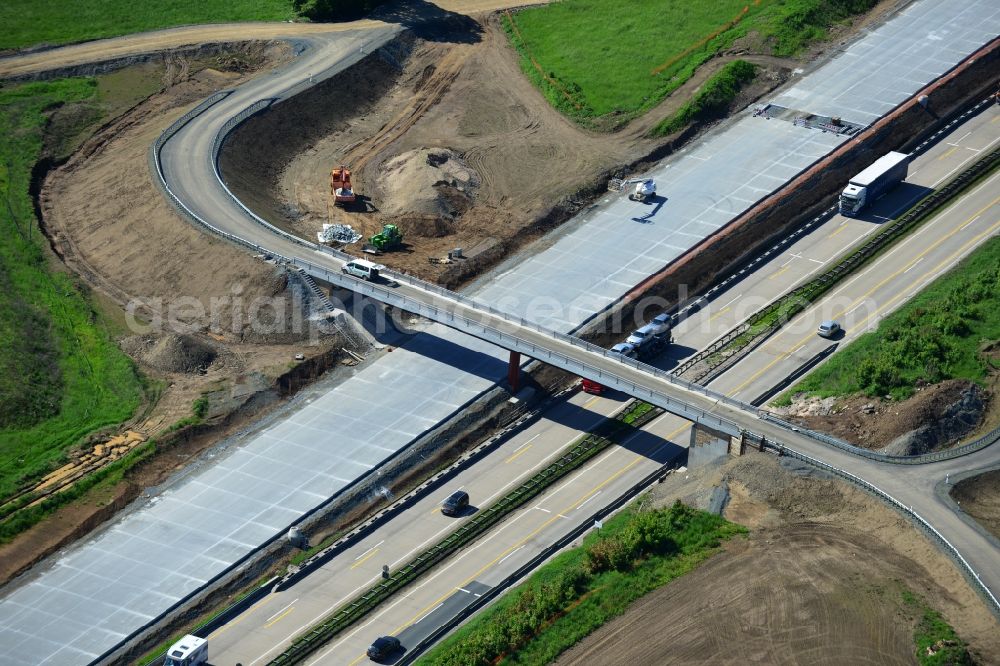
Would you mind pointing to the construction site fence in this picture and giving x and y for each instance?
(964, 567)
(481, 522)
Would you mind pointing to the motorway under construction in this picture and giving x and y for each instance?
(224, 513)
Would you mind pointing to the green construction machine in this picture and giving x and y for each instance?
(388, 239)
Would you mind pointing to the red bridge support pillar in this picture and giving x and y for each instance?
(514, 371)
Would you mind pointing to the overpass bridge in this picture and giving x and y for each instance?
(566, 352)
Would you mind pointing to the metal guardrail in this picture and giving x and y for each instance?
(470, 530)
(966, 569)
(401, 277)
(413, 653)
(490, 333)
(797, 299)
(977, 444)
(875, 244)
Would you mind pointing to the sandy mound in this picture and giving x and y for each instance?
(426, 182)
(172, 353)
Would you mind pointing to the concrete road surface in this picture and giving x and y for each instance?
(263, 631)
(85, 601)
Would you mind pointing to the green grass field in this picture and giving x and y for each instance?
(600, 59)
(581, 589)
(938, 335)
(30, 22)
(712, 99)
(61, 374)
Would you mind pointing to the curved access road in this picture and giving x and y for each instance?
(102, 50)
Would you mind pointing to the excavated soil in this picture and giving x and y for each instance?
(935, 417)
(515, 166)
(818, 581)
(979, 497)
(191, 294)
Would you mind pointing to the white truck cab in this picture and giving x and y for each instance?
(188, 651)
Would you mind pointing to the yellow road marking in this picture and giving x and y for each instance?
(778, 272)
(364, 559)
(882, 283)
(720, 313)
(837, 230)
(591, 401)
(947, 153)
(519, 544)
(239, 619)
(290, 609)
(518, 453)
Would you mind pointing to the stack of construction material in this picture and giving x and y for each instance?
(338, 233)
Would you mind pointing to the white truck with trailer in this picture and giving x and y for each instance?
(188, 651)
(887, 172)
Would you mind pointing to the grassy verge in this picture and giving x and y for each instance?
(712, 100)
(61, 374)
(574, 50)
(578, 591)
(940, 334)
(29, 22)
(936, 642)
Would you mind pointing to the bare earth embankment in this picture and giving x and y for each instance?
(818, 581)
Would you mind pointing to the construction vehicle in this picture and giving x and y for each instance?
(887, 172)
(388, 239)
(340, 186)
(188, 651)
(645, 189)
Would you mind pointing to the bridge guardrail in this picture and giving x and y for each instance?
(504, 339)
(516, 319)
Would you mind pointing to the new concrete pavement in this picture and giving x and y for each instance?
(84, 602)
(264, 630)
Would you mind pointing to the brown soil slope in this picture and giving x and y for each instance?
(533, 167)
(979, 497)
(818, 581)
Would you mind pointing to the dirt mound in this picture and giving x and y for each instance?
(179, 353)
(934, 417)
(980, 498)
(820, 580)
(510, 156)
(432, 182)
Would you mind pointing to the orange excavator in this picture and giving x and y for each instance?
(340, 186)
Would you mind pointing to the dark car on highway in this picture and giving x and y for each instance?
(455, 503)
(383, 647)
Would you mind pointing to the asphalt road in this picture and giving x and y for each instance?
(262, 631)
(816, 251)
(67, 629)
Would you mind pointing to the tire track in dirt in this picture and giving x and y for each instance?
(428, 94)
